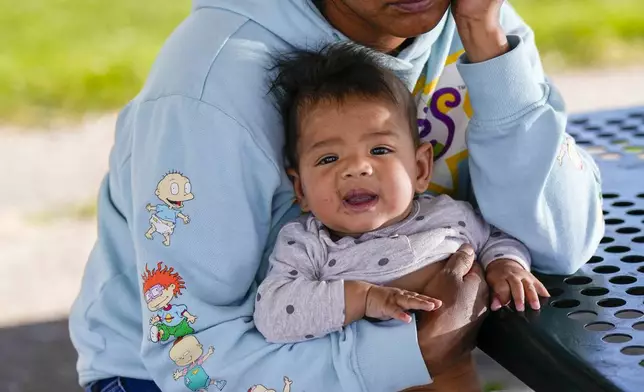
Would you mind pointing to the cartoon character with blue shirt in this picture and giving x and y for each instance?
(188, 354)
(173, 190)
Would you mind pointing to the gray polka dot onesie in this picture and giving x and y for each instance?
(302, 296)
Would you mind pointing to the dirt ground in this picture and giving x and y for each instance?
(53, 174)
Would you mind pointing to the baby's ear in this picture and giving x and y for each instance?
(298, 189)
(424, 166)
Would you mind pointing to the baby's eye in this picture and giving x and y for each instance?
(327, 159)
(380, 151)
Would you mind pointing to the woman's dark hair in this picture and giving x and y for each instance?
(304, 78)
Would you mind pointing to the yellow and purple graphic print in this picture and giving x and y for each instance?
(444, 111)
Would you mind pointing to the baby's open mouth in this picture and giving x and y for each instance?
(176, 203)
(360, 200)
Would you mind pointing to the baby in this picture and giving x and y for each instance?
(371, 239)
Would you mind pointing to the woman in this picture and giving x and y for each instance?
(196, 192)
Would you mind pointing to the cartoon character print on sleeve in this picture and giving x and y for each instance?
(173, 190)
(187, 353)
(568, 147)
(160, 286)
(261, 388)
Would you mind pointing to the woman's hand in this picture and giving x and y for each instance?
(480, 29)
(447, 335)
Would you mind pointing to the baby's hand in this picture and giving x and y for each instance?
(385, 303)
(508, 279)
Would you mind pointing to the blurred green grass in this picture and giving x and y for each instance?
(585, 33)
(65, 58)
(69, 57)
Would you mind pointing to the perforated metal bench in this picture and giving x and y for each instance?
(589, 336)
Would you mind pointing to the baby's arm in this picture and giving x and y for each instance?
(507, 267)
(293, 304)
(506, 260)
(500, 245)
(383, 302)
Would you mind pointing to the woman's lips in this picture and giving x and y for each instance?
(360, 200)
(413, 6)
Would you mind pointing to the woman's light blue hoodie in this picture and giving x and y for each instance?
(196, 192)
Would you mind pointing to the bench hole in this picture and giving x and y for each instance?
(628, 230)
(578, 280)
(623, 204)
(623, 279)
(614, 221)
(555, 291)
(595, 260)
(637, 290)
(629, 314)
(606, 269)
(600, 326)
(637, 212)
(633, 350)
(611, 302)
(582, 315)
(607, 240)
(613, 196)
(617, 249)
(639, 326)
(633, 259)
(594, 291)
(565, 303)
(617, 338)
(638, 240)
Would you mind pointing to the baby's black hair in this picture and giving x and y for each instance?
(333, 73)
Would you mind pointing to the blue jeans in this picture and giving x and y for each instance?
(122, 384)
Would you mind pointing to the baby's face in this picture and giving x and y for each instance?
(359, 168)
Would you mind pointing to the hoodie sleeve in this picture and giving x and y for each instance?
(202, 248)
(529, 177)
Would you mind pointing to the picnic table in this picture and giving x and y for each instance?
(589, 336)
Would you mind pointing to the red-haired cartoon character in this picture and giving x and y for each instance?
(160, 286)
